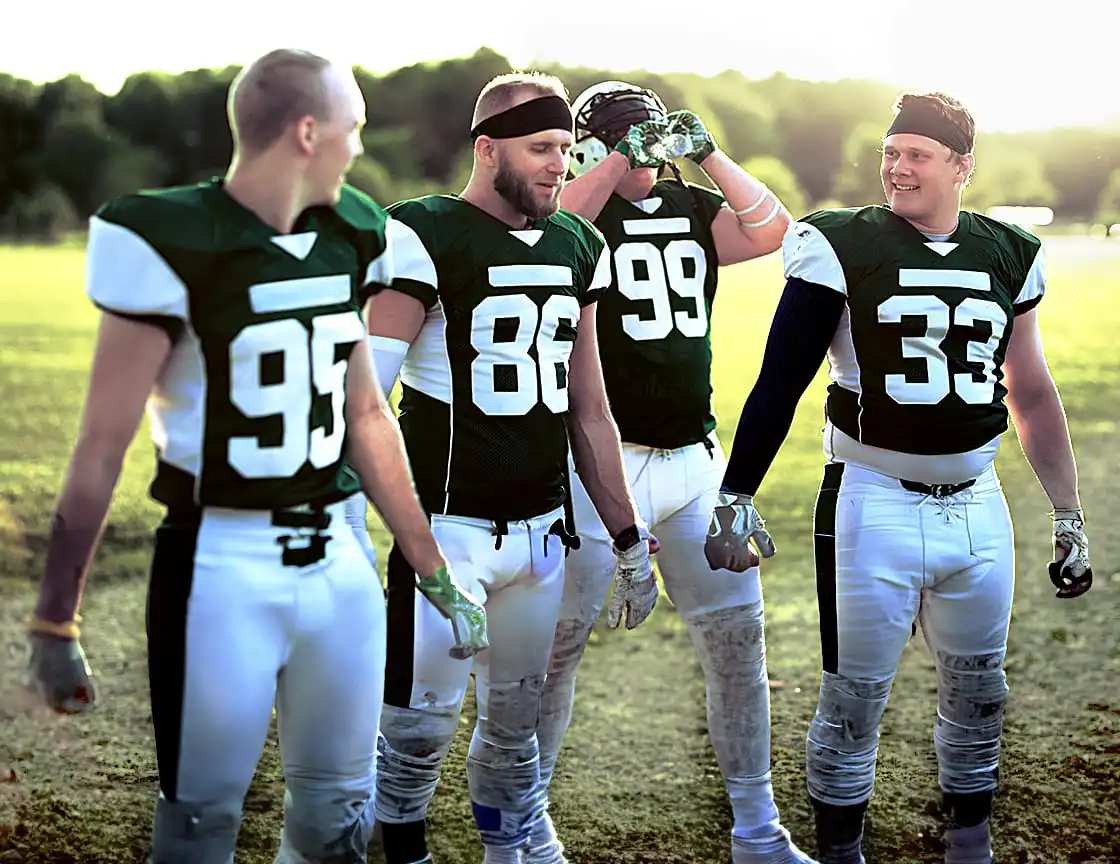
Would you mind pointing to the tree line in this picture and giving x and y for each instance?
(65, 147)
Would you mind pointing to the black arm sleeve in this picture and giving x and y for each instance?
(804, 324)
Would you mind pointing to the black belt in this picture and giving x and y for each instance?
(938, 490)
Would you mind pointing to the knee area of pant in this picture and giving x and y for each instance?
(743, 624)
(179, 822)
(849, 710)
(973, 687)
(325, 830)
(416, 732)
(569, 643)
(511, 712)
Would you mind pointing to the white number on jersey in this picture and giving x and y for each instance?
(308, 361)
(537, 380)
(939, 318)
(664, 271)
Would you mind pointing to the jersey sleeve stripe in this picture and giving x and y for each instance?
(1034, 286)
(422, 291)
(601, 278)
(405, 257)
(807, 255)
(125, 275)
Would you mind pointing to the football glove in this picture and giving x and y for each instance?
(1070, 570)
(635, 587)
(58, 672)
(641, 144)
(688, 123)
(734, 527)
(457, 605)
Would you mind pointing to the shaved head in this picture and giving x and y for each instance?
(275, 91)
(513, 88)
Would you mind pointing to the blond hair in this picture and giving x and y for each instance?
(504, 91)
(273, 92)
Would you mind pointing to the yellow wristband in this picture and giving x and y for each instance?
(66, 630)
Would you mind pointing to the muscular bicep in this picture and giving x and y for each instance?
(363, 393)
(393, 314)
(735, 244)
(586, 390)
(1026, 374)
(128, 358)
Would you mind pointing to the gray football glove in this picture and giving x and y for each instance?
(635, 586)
(1070, 571)
(734, 527)
(58, 672)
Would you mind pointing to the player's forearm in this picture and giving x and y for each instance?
(588, 195)
(1040, 421)
(803, 326)
(377, 453)
(749, 196)
(75, 529)
(597, 453)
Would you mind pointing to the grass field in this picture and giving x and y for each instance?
(637, 781)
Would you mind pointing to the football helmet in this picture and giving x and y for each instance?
(603, 113)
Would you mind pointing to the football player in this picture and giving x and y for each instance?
(492, 333)
(667, 242)
(928, 317)
(233, 308)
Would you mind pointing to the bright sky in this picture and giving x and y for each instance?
(1015, 70)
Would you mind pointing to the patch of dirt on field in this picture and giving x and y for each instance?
(637, 783)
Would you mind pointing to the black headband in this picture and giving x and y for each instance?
(525, 118)
(916, 118)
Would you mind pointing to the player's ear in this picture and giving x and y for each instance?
(486, 151)
(966, 162)
(306, 133)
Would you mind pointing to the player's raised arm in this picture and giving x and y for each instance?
(753, 220)
(1040, 420)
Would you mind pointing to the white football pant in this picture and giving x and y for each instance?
(887, 556)
(519, 578)
(675, 491)
(232, 630)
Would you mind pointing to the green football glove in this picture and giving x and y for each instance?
(467, 615)
(641, 144)
(689, 124)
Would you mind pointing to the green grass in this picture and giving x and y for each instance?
(637, 781)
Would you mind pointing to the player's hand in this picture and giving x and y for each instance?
(58, 672)
(641, 145)
(457, 605)
(635, 587)
(1070, 570)
(734, 527)
(688, 124)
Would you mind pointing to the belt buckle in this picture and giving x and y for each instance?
(941, 490)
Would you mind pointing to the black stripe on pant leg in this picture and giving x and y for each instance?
(165, 621)
(400, 647)
(824, 551)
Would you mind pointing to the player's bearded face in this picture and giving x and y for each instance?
(921, 179)
(530, 177)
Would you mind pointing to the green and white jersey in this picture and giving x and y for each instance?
(485, 384)
(917, 361)
(654, 321)
(248, 412)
